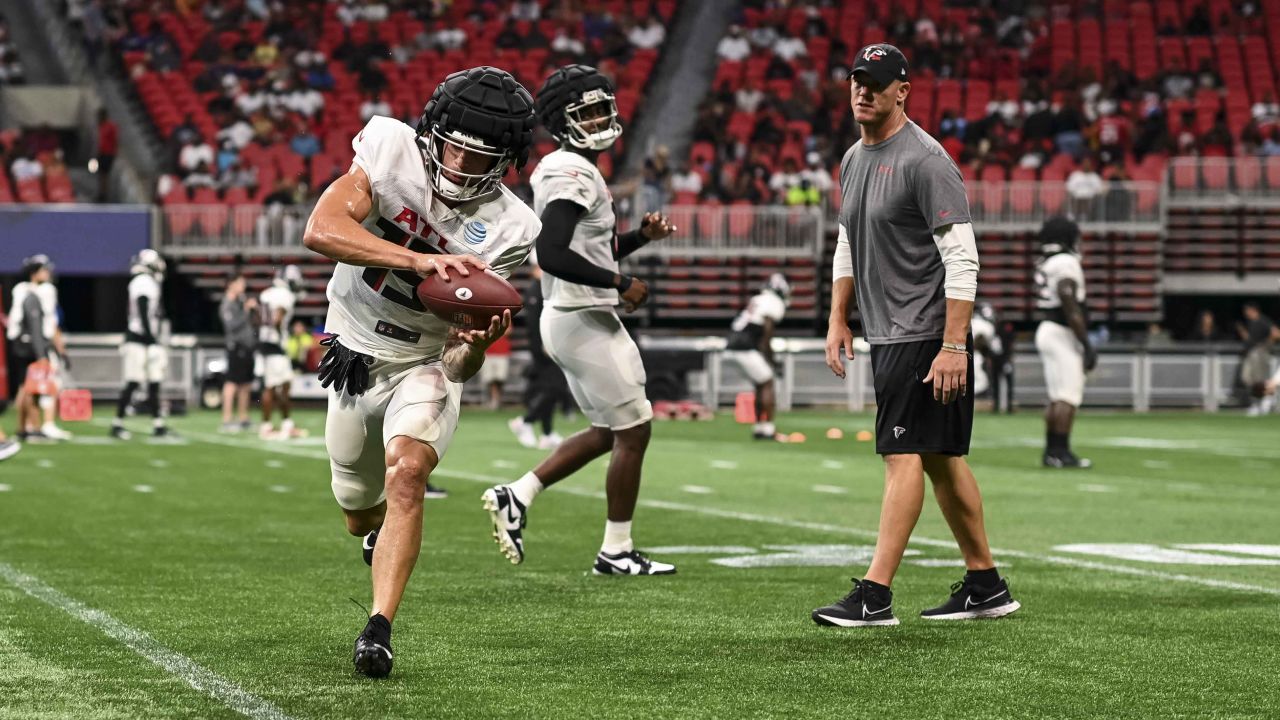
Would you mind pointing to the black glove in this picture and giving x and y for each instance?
(66, 361)
(343, 367)
(1090, 357)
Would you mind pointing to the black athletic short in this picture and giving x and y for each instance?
(908, 419)
(240, 365)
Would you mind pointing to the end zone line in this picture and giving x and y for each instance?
(799, 524)
(190, 672)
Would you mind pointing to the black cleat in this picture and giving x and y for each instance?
(435, 493)
(373, 649)
(970, 602)
(862, 607)
(118, 432)
(161, 431)
(508, 516)
(367, 547)
(1065, 459)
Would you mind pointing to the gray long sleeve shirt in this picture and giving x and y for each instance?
(237, 324)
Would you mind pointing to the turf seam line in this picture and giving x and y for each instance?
(174, 663)
(799, 524)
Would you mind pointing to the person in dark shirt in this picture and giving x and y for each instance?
(545, 385)
(1258, 333)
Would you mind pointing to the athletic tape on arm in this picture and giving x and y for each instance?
(959, 251)
(842, 267)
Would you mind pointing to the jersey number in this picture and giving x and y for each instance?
(377, 278)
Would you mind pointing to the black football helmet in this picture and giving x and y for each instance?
(1059, 234)
(485, 111)
(571, 104)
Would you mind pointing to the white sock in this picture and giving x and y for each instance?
(265, 427)
(758, 428)
(158, 422)
(526, 488)
(768, 428)
(286, 426)
(617, 537)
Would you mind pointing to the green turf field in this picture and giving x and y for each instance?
(224, 560)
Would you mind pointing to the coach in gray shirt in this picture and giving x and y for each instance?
(906, 243)
(238, 314)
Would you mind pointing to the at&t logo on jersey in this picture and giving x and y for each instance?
(475, 232)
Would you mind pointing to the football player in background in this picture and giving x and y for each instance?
(545, 383)
(34, 329)
(276, 304)
(579, 249)
(986, 346)
(146, 360)
(1062, 337)
(750, 346)
(413, 204)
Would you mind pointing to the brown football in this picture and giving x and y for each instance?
(469, 302)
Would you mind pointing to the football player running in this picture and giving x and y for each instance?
(277, 303)
(1062, 337)
(751, 347)
(414, 203)
(578, 250)
(146, 360)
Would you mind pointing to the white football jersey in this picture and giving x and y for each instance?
(983, 329)
(748, 327)
(565, 175)
(145, 285)
(277, 297)
(48, 296)
(1053, 270)
(376, 310)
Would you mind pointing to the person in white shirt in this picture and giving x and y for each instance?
(193, 154)
(276, 305)
(789, 48)
(27, 167)
(374, 105)
(817, 175)
(1085, 186)
(647, 35)
(38, 349)
(146, 359)
(751, 348)
(416, 203)
(685, 180)
(1062, 336)
(578, 250)
(733, 47)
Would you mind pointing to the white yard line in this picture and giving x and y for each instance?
(181, 666)
(799, 524)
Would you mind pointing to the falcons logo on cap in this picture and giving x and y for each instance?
(873, 53)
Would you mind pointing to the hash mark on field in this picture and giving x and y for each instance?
(830, 489)
(160, 463)
(143, 488)
(802, 524)
(724, 464)
(280, 488)
(5, 488)
(188, 670)
(44, 463)
(504, 464)
(1157, 464)
(832, 465)
(274, 464)
(1185, 487)
(1090, 487)
(697, 489)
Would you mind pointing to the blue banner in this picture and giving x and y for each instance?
(79, 239)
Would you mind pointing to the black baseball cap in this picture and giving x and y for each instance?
(882, 61)
(31, 264)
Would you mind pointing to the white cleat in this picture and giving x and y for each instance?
(630, 563)
(508, 516)
(523, 432)
(550, 442)
(53, 432)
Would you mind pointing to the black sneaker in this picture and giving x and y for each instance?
(1065, 459)
(161, 431)
(9, 448)
(630, 563)
(35, 437)
(367, 547)
(508, 516)
(862, 607)
(970, 602)
(373, 649)
(435, 493)
(118, 432)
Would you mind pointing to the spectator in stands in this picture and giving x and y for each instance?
(565, 44)
(685, 180)
(108, 146)
(227, 155)
(1250, 139)
(1068, 129)
(1207, 76)
(1177, 84)
(1271, 146)
(733, 47)
(193, 154)
(283, 193)
(784, 179)
(1206, 330)
(951, 126)
(804, 194)
(1266, 111)
(304, 142)
(184, 133)
(789, 48)
(298, 346)
(508, 38)
(239, 175)
(11, 69)
(164, 57)
(815, 174)
(527, 10)
(779, 69)
(374, 105)
(1084, 186)
(648, 35)
(748, 97)
(26, 167)
(1198, 22)
(1217, 142)
(1113, 132)
(1157, 337)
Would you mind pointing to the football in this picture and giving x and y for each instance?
(469, 302)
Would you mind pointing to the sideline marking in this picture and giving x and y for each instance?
(191, 672)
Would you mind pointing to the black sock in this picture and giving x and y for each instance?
(1057, 442)
(982, 578)
(153, 399)
(125, 394)
(877, 588)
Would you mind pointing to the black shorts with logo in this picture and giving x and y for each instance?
(240, 365)
(908, 419)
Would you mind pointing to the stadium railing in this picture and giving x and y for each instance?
(1021, 206)
(1221, 181)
